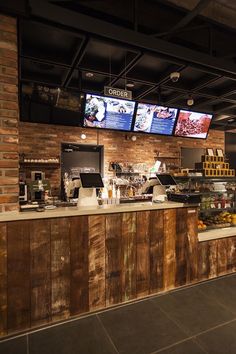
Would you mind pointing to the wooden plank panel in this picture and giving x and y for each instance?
(40, 272)
(207, 260)
(128, 256)
(156, 234)
(96, 262)
(169, 248)
(203, 264)
(18, 269)
(143, 254)
(3, 279)
(113, 259)
(231, 257)
(192, 245)
(79, 295)
(180, 246)
(60, 268)
(222, 254)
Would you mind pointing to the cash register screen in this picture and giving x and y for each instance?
(166, 180)
(91, 180)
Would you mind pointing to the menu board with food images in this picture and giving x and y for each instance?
(155, 119)
(108, 112)
(192, 124)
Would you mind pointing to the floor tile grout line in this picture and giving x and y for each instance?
(172, 319)
(107, 334)
(177, 343)
(225, 307)
(199, 344)
(194, 338)
(27, 344)
(183, 329)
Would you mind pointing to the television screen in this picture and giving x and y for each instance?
(155, 119)
(192, 124)
(108, 112)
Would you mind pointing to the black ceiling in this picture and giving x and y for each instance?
(141, 41)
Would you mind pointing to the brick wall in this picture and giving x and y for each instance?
(8, 114)
(44, 141)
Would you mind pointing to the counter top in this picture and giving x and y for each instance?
(215, 234)
(93, 210)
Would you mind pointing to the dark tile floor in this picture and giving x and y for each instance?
(195, 320)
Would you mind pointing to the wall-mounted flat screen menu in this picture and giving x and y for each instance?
(155, 119)
(192, 124)
(108, 112)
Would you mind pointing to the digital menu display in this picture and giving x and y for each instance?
(108, 112)
(155, 119)
(192, 124)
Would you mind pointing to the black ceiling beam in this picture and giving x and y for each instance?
(228, 91)
(146, 92)
(41, 79)
(205, 81)
(15, 7)
(88, 24)
(206, 102)
(98, 72)
(200, 84)
(222, 107)
(182, 30)
(135, 14)
(165, 77)
(78, 56)
(45, 61)
(172, 98)
(129, 67)
(202, 4)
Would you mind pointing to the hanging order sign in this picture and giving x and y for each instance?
(116, 92)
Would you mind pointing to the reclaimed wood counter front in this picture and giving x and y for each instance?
(55, 268)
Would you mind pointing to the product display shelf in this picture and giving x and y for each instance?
(217, 208)
(127, 173)
(40, 164)
(212, 210)
(214, 234)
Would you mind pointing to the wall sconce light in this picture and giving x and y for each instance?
(83, 136)
(133, 137)
(190, 101)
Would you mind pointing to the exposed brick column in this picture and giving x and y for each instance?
(9, 113)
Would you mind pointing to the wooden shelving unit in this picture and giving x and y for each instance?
(40, 164)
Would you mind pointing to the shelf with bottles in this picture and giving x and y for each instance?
(50, 162)
(127, 173)
(167, 157)
(128, 168)
(216, 201)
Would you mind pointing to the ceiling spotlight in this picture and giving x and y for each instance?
(88, 74)
(83, 136)
(190, 101)
(175, 76)
(130, 84)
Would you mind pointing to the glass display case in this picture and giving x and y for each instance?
(218, 200)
